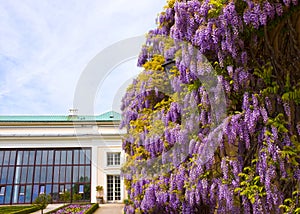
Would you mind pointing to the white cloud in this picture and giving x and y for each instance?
(45, 45)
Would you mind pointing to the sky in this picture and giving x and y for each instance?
(46, 45)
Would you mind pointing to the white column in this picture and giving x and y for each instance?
(94, 172)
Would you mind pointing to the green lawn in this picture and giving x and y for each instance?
(11, 209)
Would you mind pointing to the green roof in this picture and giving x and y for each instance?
(108, 116)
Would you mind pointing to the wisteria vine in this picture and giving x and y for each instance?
(253, 48)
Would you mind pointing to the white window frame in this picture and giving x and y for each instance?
(116, 159)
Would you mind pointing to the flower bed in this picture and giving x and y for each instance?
(74, 209)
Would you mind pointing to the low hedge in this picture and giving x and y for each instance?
(92, 209)
(27, 210)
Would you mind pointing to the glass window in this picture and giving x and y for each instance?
(20, 157)
(22, 190)
(37, 174)
(81, 188)
(10, 176)
(25, 157)
(68, 174)
(57, 157)
(4, 175)
(30, 174)
(1, 157)
(2, 190)
(31, 157)
(8, 194)
(61, 188)
(62, 174)
(42, 189)
(23, 175)
(49, 174)
(76, 156)
(6, 158)
(50, 157)
(69, 157)
(35, 192)
(113, 158)
(12, 158)
(28, 193)
(48, 188)
(18, 174)
(56, 174)
(43, 174)
(63, 157)
(87, 173)
(44, 157)
(87, 156)
(75, 174)
(38, 157)
(81, 173)
(82, 156)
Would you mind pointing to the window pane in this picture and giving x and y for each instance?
(55, 192)
(18, 174)
(8, 194)
(48, 188)
(117, 158)
(56, 174)
(37, 174)
(68, 174)
(50, 157)
(57, 157)
(22, 190)
(30, 174)
(61, 188)
(20, 157)
(110, 159)
(62, 174)
(6, 158)
(4, 175)
(35, 192)
(63, 157)
(44, 157)
(10, 176)
(15, 194)
(76, 156)
(75, 174)
(87, 173)
(49, 174)
(28, 193)
(43, 174)
(1, 157)
(81, 173)
(12, 158)
(38, 157)
(69, 157)
(31, 157)
(42, 189)
(87, 156)
(23, 175)
(2, 190)
(82, 156)
(81, 189)
(25, 157)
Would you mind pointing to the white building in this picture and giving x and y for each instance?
(60, 154)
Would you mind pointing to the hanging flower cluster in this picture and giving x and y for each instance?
(218, 131)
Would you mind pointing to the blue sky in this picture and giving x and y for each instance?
(45, 46)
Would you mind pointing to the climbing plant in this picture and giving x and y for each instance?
(176, 162)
